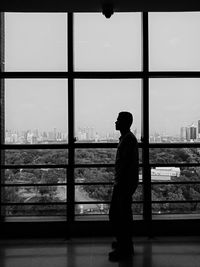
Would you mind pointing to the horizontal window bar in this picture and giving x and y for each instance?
(101, 202)
(102, 74)
(32, 185)
(173, 145)
(175, 164)
(81, 75)
(33, 203)
(173, 74)
(41, 146)
(181, 182)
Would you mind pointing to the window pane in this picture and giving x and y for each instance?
(33, 194)
(95, 155)
(35, 156)
(107, 44)
(174, 155)
(98, 102)
(176, 210)
(94, 175)
(174, 110)
(34, 176)
(36, 111)
(35, 42)
(34, 210)
(174, 41)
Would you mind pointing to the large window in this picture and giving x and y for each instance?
(64, 79)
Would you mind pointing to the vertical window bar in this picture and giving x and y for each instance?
(145, 126)
(2, 105)
(70, 170)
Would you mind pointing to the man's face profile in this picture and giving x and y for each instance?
(118, 123)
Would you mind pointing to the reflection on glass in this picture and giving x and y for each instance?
(174, 110)
(36, 111)
(174, 42)
(36, 156)
(35, 42)
(97, 104)
(107, 45)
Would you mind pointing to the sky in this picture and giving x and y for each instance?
(38, 42)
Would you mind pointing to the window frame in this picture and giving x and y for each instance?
(145, 75)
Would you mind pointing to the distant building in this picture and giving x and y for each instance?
(163, 173)
(193, 132)
(198, 127)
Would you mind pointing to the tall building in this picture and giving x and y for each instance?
(183, 134)
(193, 132)
(198, 127)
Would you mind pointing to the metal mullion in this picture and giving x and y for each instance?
(102, 202)
(33, 75)
(108, 75)
(175, 164)
(71, 161)
(147, 213)
(174, 74)
(175, 201)
(2, 105)
(32, 185)
(174, 145)
(95, 145)
(36, 146)
(32, 203)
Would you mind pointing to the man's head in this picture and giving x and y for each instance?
(124, 121)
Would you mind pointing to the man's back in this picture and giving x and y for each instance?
(126, 164)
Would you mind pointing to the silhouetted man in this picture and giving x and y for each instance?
(126, 181)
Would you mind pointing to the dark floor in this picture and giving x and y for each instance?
(92, 252)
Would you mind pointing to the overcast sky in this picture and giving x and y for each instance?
(38, 42)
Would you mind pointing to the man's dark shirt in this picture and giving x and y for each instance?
(126, 164)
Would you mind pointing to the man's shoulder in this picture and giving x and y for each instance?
(130, 138)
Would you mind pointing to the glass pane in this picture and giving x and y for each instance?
(35, 42)
(34, 210)
(174, 110)
(92, 209)
(89, 193)
(95, 155)
(98, 102)
(176, 192)
(175, 174)
(174, 41)
(34, 176)
(36, 156)
(94, 175)
(107, 44)
(33, 194)
(174, 155)
(36, 111)
(176, 210)
(103, 209)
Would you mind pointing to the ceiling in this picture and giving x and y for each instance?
(96, 5)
